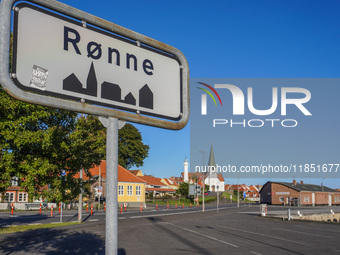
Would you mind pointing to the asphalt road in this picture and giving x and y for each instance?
(229, 231)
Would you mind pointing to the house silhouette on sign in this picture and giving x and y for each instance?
(146, 97)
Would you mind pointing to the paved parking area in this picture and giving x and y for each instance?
(229, 231)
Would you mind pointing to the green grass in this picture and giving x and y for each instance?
(234, 198)
(13, 229)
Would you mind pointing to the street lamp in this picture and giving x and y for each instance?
(203, 181)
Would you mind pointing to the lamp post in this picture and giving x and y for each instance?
(203, 182)
(238, 192)
(322, 188)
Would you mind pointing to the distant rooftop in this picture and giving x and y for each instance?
(306, 187)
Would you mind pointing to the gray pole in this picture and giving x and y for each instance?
(238, 192)
(111, 225)
(218, 200)
(203, 177)
(80, 203)
(61, 212)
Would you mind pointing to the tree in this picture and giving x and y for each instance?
(37, 143)
(206, 187)
(131, 149)
(183, 189)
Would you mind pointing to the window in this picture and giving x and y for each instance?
(14, 181)
(282, 199)
(129, 190)
(120, 190)
(138, 190)
(22, 197)
(9, 197)
(306, 199)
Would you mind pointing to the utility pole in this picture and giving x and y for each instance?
(80, 203)
(238, 192)
(203, 183)
(218, 199)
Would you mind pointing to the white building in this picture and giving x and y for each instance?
(214, 180)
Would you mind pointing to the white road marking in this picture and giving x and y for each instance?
(175, 213)
(158, 215)
(328, 230)
(304, 233)
(259, 234)
(198, 233)
(255, 253)
(94, 220)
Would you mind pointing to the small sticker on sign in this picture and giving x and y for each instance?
(39, 78)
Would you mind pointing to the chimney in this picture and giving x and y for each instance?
(301, 182)
(294, 182)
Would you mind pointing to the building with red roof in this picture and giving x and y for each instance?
(131, 188)
(156, 186)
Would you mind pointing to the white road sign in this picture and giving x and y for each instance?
(60, 57)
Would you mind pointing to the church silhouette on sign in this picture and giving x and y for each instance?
(109, 91)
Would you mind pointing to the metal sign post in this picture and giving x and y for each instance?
(111, 226)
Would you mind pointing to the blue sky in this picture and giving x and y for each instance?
(239, 39)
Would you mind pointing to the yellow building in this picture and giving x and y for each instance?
(137, 172)
(131, 189)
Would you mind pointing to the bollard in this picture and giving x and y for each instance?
(183, 205)
(40, 209)
(105, 207)
(141, 207)
(176, 206)
(87, 207)
(125, 207)
(190, 204)
(167, 205)
(156, 206)
(12, 209)
(121, 209)
(91, 209)
(198, 204)
(51, 210)
(59, 207)
(288, 214)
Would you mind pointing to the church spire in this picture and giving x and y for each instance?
(212, 164)
(211, 161)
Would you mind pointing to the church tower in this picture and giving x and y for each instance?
(212, 163)
(186, 170)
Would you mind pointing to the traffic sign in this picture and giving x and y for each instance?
(192, 189)
(198, 189)
(196, 199)
(69, 59)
